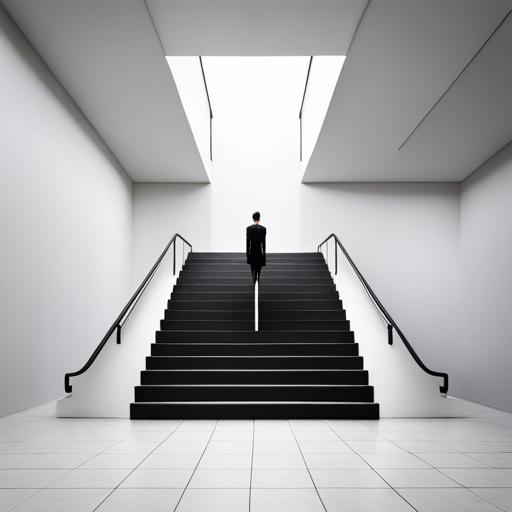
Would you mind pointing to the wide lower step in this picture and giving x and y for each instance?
(246, 393)
(263, 325)
(254, 337)
(248, 305)
(249, 287)
(176, 314)
(255, 349)
(253, 362)
(254, 410)
(181, 376)
(236, 296)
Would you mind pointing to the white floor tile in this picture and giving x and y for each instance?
(501, 498)
(171, 461)
(158, 478)
(229, 447)
(185, 435)
(91, 479)
(141, 500)
(191, 447)
(168, 426)
(374, 447)
(198, 425)
(86, 447)
(10, 498)
(359, 435)
(57, 461)
(274, 435)
(225, 461)
(479, 477)
(309, 425)
(445, 500)
(347, 478)
(285, 500)
(271, 425)
(127, 447)
(30, 447)
(325, 447)
(472, 447)
(394, 461)
(495, 460)
(281, 479)
(278, 461)
(221, 479)
(276, 447)
(416, 478)
(451, 460)
(114, 461)
(13, 460)
(335, 461)
(232, 435)
(64, 500)
(363, 500)
(347, 425)
(29, 478)
(235, 425)
(148, 437)
(214, 500)
(316, 435)
(423, 447)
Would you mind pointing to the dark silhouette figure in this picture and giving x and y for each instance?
(256, 248)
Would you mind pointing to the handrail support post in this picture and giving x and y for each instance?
(390, 334)
(119, 334)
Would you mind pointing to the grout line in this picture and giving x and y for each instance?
(197, 465)
(307, 467)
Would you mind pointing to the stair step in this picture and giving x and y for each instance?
(254, 349)
(149, 377)
(249, 288)
(253, 362)
(242, 255)
(254, 337)
(249, 393)
(248, 305)
(173, 314)
(254, 410)
(249, 325)
(247, 296)
(243, 266)
(247, 280)
(242, 272)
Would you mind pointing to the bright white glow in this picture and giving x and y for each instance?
(323, 77)
(189, 81)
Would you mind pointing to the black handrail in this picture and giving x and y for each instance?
(132, 301)
(392, 324)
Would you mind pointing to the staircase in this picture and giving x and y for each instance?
(209, 362)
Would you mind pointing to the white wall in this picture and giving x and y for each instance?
(65, 210)
(486, 241)
(162, 209)
(404, 238)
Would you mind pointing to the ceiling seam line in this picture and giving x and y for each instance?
(458, 76)
(357, 28)
(154, 27)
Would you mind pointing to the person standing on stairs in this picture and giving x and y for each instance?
(256, 249)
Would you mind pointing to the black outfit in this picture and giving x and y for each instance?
(256, 250)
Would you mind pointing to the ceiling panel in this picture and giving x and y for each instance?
(257, 28)
(404, 57)
(107, 55)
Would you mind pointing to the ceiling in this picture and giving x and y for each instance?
(424, 95)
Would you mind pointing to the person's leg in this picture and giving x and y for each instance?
(257, 272)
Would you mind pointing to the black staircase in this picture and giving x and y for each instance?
(208, 361)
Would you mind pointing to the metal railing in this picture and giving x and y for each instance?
(391, 323)
(128, 309)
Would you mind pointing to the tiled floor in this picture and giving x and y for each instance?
(82, 465)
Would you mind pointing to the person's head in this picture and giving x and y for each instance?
(256, 217)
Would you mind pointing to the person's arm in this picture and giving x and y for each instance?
(247, 244)
(264, 247)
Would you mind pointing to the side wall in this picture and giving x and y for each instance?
(404, 238)
(486, 241)
(162, 209)
(65, 210)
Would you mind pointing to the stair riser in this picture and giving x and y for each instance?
(243, 266)
(242, 255)
(254, 393)
(276, 377)
(253, 337)
(255, 411)
(231, 349)
(247, 280)
(240, 325)
(253, 363)
(243, 273)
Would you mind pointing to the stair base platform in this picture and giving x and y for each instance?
(254, 410)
